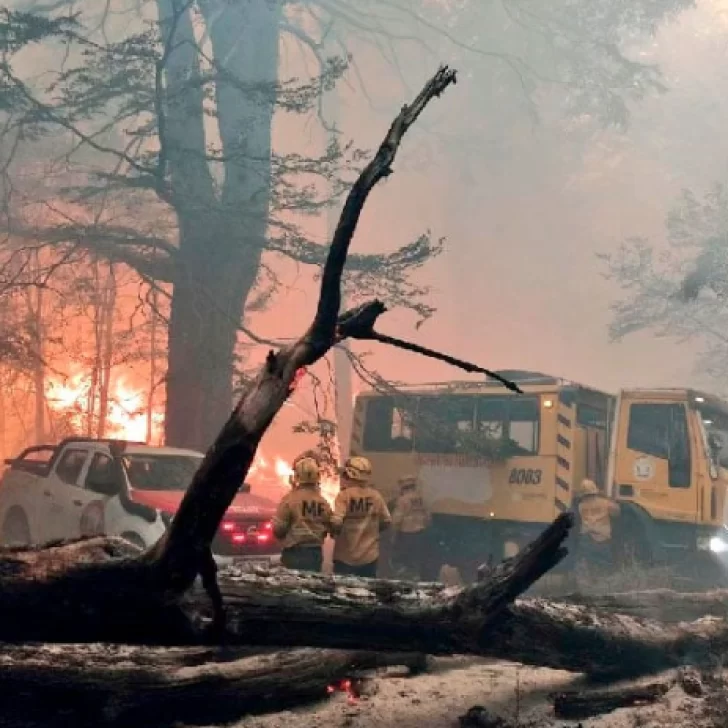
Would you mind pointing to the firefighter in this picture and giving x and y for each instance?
(360, 513)
(303, 519)
(595, 512)
(410, 522)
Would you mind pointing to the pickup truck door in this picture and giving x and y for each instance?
(91, 516)
(61, 503)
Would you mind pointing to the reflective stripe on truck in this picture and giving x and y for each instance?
(566, 419)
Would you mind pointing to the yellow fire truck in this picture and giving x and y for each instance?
(497, 467)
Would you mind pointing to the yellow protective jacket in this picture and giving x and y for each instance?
(596, 513)
(360, 513)
(303, 518)
(410, 515)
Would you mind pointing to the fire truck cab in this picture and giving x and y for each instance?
(666, 469)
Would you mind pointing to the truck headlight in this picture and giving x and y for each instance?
(718, 545)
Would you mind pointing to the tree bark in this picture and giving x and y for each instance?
(202, 335)
(220, 245)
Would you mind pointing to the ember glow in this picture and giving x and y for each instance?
(351, 688)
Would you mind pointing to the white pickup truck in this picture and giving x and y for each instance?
(85, 487)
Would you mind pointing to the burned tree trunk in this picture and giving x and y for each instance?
(67, 593)
(281, 607)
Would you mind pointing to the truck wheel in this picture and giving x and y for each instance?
(16, 531)
(134, 538)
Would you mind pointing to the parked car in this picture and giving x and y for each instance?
(85, 487)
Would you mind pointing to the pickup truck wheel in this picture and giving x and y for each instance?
(16, 531)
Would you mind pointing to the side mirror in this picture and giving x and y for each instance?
(103, 486)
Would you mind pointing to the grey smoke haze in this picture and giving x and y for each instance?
(525, 204)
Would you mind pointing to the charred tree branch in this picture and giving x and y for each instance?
(578, 705)
(358, 323)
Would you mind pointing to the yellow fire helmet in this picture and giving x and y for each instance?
(357, 468)
(587, 487)
(306, 472)
(307, 454)
(407, 481)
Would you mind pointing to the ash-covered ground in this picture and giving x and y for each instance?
(517, 694)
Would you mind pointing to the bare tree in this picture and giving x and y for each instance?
(678, 289)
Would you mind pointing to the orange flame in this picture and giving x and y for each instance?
(126, 416)
(126, 419)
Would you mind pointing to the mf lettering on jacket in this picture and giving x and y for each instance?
(360, 506)
(313, 509)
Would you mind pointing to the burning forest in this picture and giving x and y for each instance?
(238, 487)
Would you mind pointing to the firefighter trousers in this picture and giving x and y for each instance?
(368, 571)
(411, 553)
(302, 558)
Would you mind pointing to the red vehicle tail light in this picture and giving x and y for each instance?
(242, 535)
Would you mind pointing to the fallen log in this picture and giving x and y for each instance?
(117, 685)
(280, 608)
(576, 705)
(95, 685)
(342, 612)
(265, 607)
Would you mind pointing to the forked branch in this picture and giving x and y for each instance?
(322, 331)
